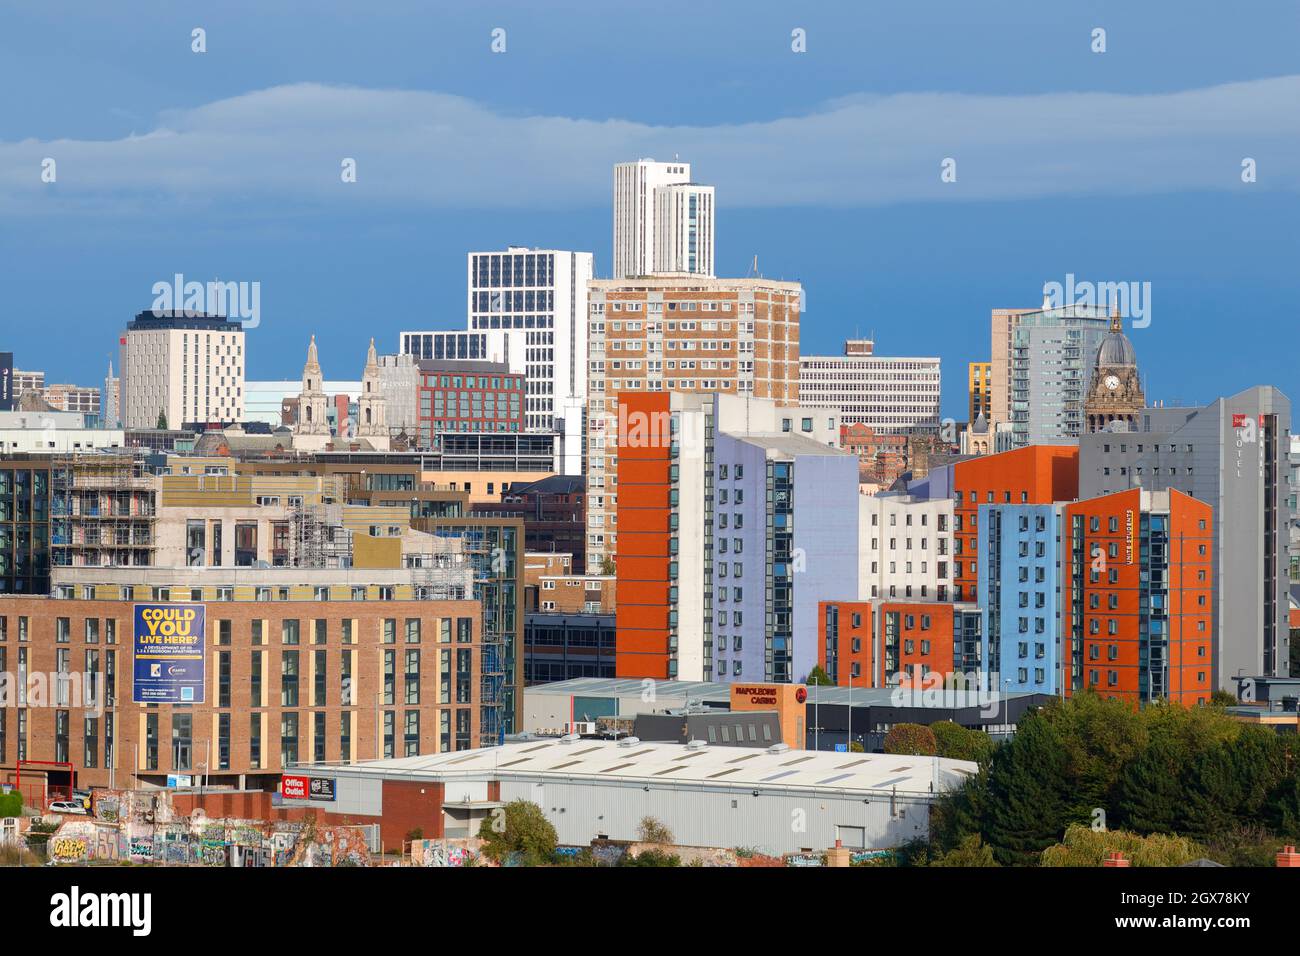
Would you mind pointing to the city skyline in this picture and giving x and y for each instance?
(188, 180)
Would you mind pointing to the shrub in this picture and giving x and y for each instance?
(970, 852)
(651, 830)
(954, 741)
(520, 828)
(912, 739)
(655, 857)
(1084, 846)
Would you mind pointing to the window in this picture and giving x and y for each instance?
(289, 679)
(288, 739)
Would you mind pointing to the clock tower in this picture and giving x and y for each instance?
(1115, 393)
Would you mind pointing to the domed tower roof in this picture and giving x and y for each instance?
(1116, 350)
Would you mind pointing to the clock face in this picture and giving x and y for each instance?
(1111, 382)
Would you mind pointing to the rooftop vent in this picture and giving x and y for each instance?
(629, 741)
(696, 744)
(778, 748)
(570, 738)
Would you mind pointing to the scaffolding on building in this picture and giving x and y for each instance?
(320, 539)
(103, 507)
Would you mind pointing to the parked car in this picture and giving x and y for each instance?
(67, 806)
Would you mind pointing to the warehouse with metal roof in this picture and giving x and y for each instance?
(774, 800)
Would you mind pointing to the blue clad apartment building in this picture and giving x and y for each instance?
(1019, 597)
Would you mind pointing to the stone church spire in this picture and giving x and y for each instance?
(372, 407)
(312, 400)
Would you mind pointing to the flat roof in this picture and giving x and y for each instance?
(777, 768)
(714, 691)
(789, 445)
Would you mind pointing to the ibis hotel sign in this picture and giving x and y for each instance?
(168, 645)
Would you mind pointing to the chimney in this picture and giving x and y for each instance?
(839, 856)
(1287, 856)
(1116, 858)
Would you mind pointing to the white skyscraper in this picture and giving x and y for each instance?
(638, 188)
(684, 227)
(536, 299)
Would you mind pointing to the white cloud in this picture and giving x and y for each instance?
(285, 145)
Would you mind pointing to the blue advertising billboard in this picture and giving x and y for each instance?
(169, 648)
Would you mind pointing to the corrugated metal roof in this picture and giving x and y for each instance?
(718, 766)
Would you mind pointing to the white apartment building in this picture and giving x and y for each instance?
(53, 433)
(891, 395)
(189, 367)
(684, 229)
(662, 221)
(905, 548)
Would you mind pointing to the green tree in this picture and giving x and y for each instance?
(1099, 737)
(970, 852)
(607, 566)
(521, 828)
(1084, 846)
(911, 739)
(1151, 796)
(1284, 807)
(1223, 698)
(1230, 785)
(1029, 794)
(162, 420)
(959, 813)
(818, 676)
(11, 804)
(959, 743)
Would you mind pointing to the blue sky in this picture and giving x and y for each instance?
(1114, 167)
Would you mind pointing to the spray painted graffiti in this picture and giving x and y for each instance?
(144, 829)
(68, 850)
(443, 853)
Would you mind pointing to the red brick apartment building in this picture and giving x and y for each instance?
(292, 680)
(463, 396)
